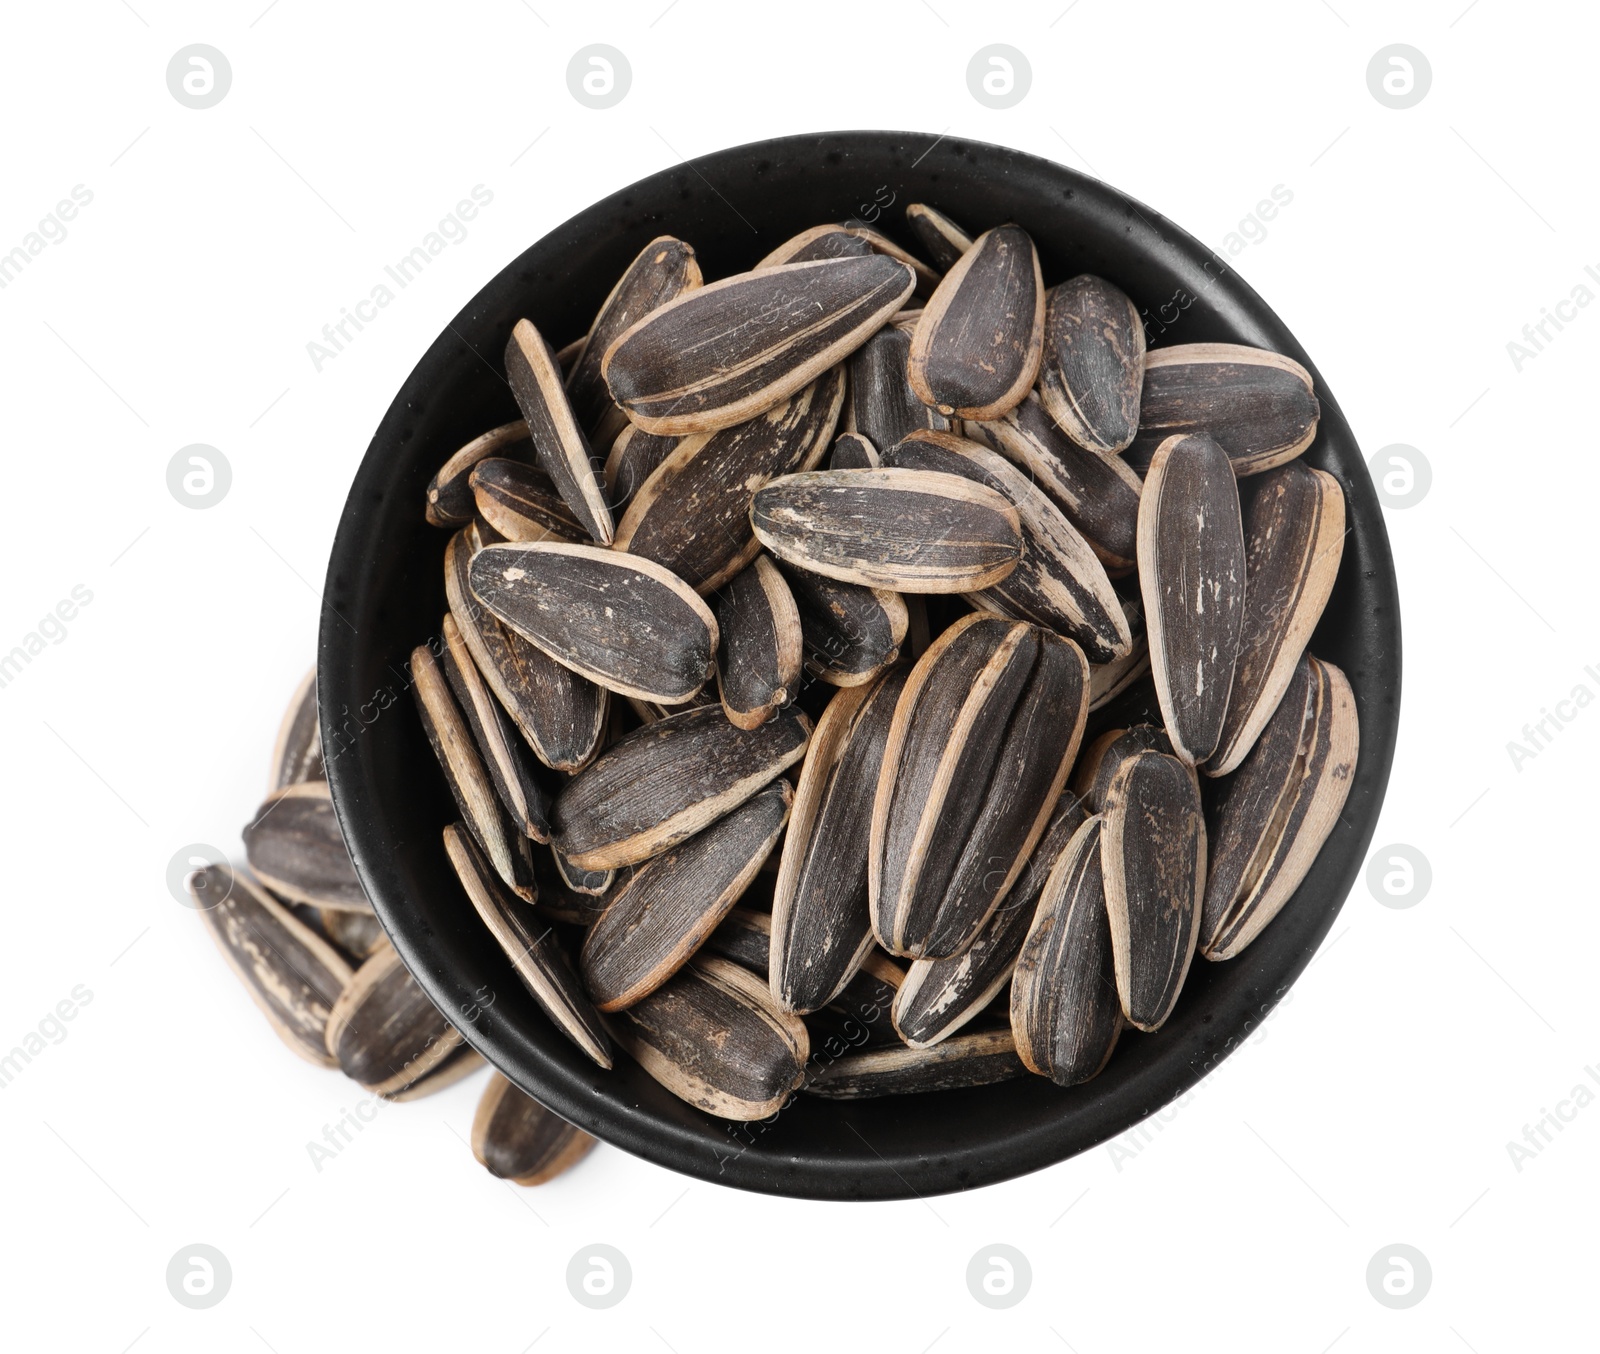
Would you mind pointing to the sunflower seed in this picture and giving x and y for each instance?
(1065, 1012)
(562, 715)
(882, 405)
(651, 711)
(977, 347)
(516, 1138)
(692, 515)
(1093, 368)
(945, 241)
(556, 899)
(296, 849)
(463, 1062)
(464, 771)
(1258, 405)
(852, 451)
(859, 1016)
(675, 901)
(562, 448)
(984, 735)
(383, 1031)
(297, 753)
(537, 957)
(939, 996)
(291, 973)
(356, 934)
(622, 621)
(819, 242)
(1270, 818)
(587, 883)
(967, 1060)
(1192, 576)
(661, 784)
(1104, 757)
(713, 1037)
(880, 243)
(909, 530)
(849, 634)
(1107, 681)
(521, 503)
(759, 646)
(450, 499)
(1293, 541)
(1153, 865)
(633, 459)
(821, 927)
(1058, 582)
(744, 936)
(729, 351)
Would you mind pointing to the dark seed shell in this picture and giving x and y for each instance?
(1093, 368)
(744, 936)
(819, 242)
(556, 899)
(1104, 757)
(852, 451)
(882, 405)
(356, 934)
(521, 503)
(1107, 681)
(944, 241)
(450, 498)
(633, 459)
(967, 1060)
(593, 883)
(516, 1138)
(760, 645)
(296, 849)
(927, 279)
(860, 1014)
(384, 1031)
(849, 633)
(297, 753)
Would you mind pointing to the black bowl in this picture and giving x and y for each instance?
(385, 594)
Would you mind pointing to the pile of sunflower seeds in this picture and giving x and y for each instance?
(302, 938)
(865, 677)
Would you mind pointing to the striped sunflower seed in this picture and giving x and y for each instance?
(383, 1031)
(819, 242)
(521, 503)
(967, 1060)
(744, 936)
(450, 497)
(296, 849)
(944, 241)
(594, 883)
(880, 243)
(297, 752)
(354, 934)
(633, 459)
(1103, 758)
(852, 451)
(882, 406)
(516, 1138)
(760, 645)
(1093, 369)
(1107, 681)
(556, 899)
(849, 634)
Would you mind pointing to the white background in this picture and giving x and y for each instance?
(1376, 1105)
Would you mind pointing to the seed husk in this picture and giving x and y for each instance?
(450, 497)
(451, 739)
(713, 1037)
(967, 1060)
(1065, 1012)
(297, 753)
(1258, 405)
(977, 347)
(1293, 541)
(660, 784)
(852, 451)
(650, 711)
(356, 934)
(1058, 582)
(521, 503)
(1093, 369)
(516, 1138)
(1099, 495)
(1192, 577)
(383, 1031)
(882, 405)
(880, 243)
(562, 448)
(633, 459)
(849, 633)
(734, 349)
(1153, 867)
(944, 241)
(821, 925)
(674, 901)
(1107, 681)
(819, 242)
(1270, 818)
(562, 715)
(556, 898)
(540, 962)
(860, 1014)
(692, 515)
(290, 972)
(296, 849)
(939, 996)
(624, 622)
(1103, 758)
(455, 1066)
(664, 269)
(591, 883)
(760, 645)
(907, 530)
(744, 936)
(983, 738)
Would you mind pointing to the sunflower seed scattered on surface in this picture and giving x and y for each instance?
(383, 1031)
(945, 241)
(521, 503)
(745, 936)
(624, 622)
(939, 996)
(538, 959)
(821, 926)
(882, 405)
(1099, 763)
(1058, 582)
(966, 1060)
(713, 1036)
(1270, 818)
(562, 715)
(562, 448)
(1293, 542)
(692, 515)
(734, 349)
(849, 633)
(861, 1013)
(450, 498)
(760, 645)
(1107, 681)
(291, 973)
(633, 459)
(1153, 865)
(1065, 1012)
(297, 753)
(1258, 405)
(296, 849)
(463, 1062)
(908, 530)
(978, 345)
(983, 737)
(819, 242)
(852, 451)
(516, 1138)
(676, 900)
(1192, 577)
(880, 243)
(660, 784)
(1093, 369)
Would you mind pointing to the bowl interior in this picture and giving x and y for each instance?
(385, 594)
